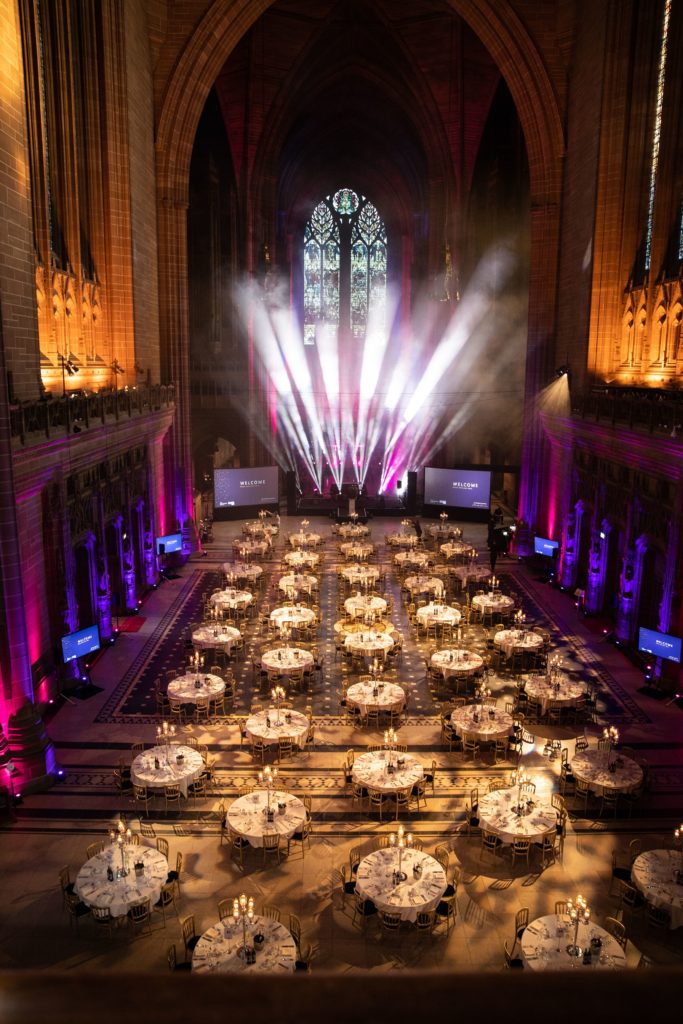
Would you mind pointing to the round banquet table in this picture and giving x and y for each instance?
(297, 727)
(286, 659)
(251, 548)
(343, 626)
(219, 947)
(260, 529)
(423, 584)
(242, 571)
(304, 540)
(119, 895)
(374, 881)
(170, 772)
(487, 728)
(455, 660)
(417, 558)
(370, 770)
(509, 640)
(292, 615)
(354, 530)
(365, 575)
(247, 815)
(497, 813)
(301, 559)
(567, 692)
(369, 643)
(220, 637)
(544, 949)
(352, 549)
(428, 614)
(445, 530)
(457, 548)
(377, 696)
(465, 573)
(231, 598)
(591, 766)
(298, 582)
(653, 874)
(361, 605)
(402, 540)
(492, 602)
(185, 687)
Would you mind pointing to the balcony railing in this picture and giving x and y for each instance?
(78, 411)
(647, 409)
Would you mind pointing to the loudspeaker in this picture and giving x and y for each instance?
(290, 485)
(411, 493)
(162, 550)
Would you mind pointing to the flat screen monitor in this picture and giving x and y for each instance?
(661, 645)
(458, 488)
(77, 645)
(233, 488)
(170, 543)
(544, 546)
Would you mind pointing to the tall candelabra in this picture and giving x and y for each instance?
(494, 583)
(197, 662)
(678, 839)
(243, 909)
(611, 736)
(579, 912)
(390, 737)
(267, 779)
(119, 837)
(165, 733)
(278, 695)
(400, 840)
(521, 779)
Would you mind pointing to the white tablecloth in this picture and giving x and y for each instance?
(510, 640)
(361, 605)
(293, 615)
(416, 558)
(231, 598)
(354, 530)
(401, 540)
(369, 642)
(430, 613)
(242, 571)
(454, 661)
(185, 688)
(218, 948)
(591, 766)
(299, 559)
(358, 626)
(365, 575)
(422, 584)
(305, 540)
(247, 815)
(445, 530)
(488, 727)
(543, 949)
(352, 549)
(370, 770)
(286, 659)
(470, 572)
(453, 548)
(260, 529)
(569, 691)
(374, 881)
(170, 772)
(298, 583)
(388, 695)
(94, 888)
(297, 727)
(492, 602)
(652, 873)
(217, 637)
(251, 548)
(497, 813)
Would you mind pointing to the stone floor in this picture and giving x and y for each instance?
(54, 828)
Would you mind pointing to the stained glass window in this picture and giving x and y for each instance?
(657, 130)
(345, 240)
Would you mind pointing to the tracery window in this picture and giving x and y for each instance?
(345, 265)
